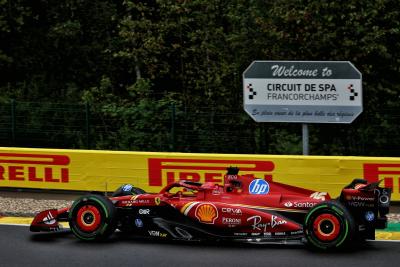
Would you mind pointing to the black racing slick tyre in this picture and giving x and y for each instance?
(92, 217)
(329, 225)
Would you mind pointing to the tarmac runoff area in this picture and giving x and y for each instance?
(392, 233)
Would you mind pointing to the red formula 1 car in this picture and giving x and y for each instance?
(244, 209)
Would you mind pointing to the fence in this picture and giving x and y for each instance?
(60, 125)
(64, 125)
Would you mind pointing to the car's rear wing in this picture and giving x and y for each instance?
(369, 204)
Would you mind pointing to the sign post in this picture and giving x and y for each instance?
(304, 131)
(302, 92)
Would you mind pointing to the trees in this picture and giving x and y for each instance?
(134, 60)
(362, 33)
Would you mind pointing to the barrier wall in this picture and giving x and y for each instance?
(91, 170)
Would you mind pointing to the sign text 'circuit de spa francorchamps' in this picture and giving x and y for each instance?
(302, 91)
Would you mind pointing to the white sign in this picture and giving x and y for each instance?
(302, 91)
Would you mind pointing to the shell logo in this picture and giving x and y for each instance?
(206, 213)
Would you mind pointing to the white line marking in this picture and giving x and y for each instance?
(386, 240)
(15, 224)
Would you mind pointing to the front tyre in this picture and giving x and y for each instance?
(329, 225)
(92, 217)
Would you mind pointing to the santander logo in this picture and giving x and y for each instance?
(296, 204)
(288, 204)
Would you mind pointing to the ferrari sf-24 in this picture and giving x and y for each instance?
(243, 209)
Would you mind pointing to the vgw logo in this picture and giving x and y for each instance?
(259, 187)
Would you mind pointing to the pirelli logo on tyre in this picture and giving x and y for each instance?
(162, 171)
(41, 168)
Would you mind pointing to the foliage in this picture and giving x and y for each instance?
(139, 118)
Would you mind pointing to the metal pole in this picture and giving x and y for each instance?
(305, 139)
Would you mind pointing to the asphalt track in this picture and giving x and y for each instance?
(19, 247)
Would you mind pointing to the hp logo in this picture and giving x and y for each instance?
(259, 187)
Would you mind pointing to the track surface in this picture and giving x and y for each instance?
(19, 247)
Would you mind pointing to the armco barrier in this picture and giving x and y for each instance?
(91, 170)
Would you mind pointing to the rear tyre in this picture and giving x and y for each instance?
(329, 225)
(92, 217)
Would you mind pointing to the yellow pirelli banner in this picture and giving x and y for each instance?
(91, 170)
